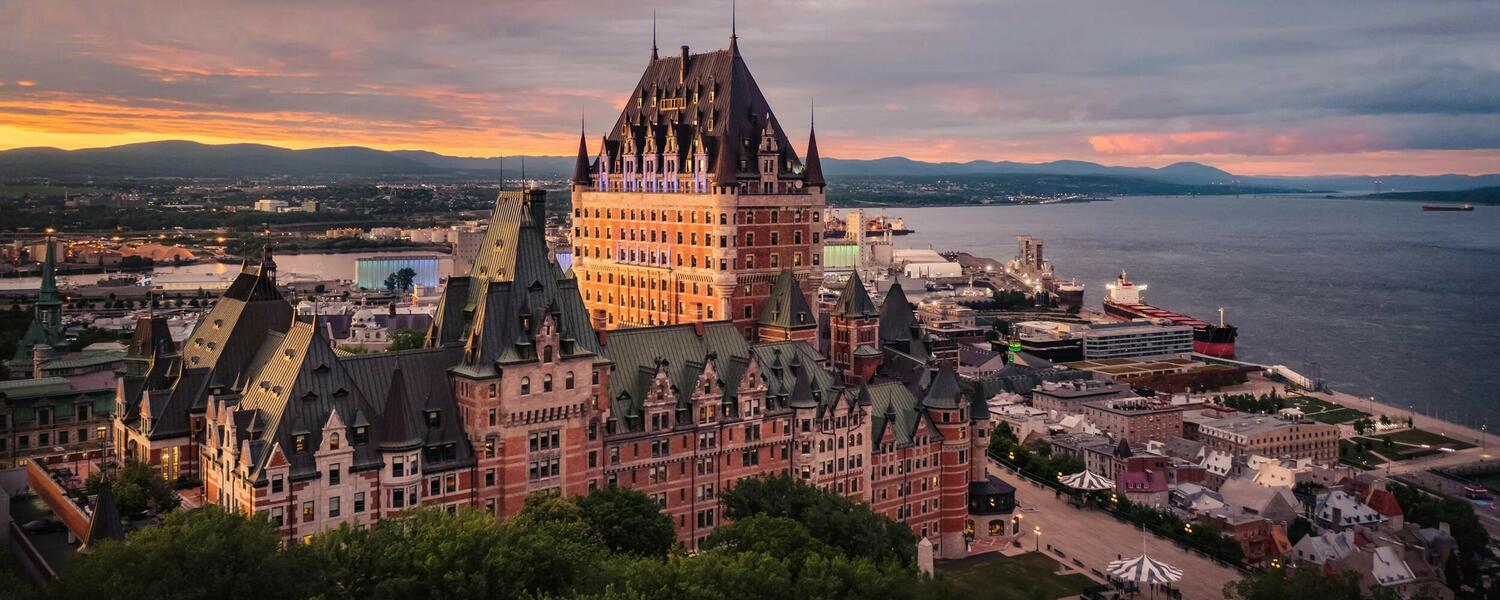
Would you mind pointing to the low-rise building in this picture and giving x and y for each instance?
(1070, 396)
(1243, 435)
(1136, 420)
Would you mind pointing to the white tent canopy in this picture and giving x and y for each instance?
(1144, 570)
(1087, 480)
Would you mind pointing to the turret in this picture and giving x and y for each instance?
(812, 170)
(581, 176)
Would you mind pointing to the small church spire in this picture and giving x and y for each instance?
(812, 171)
(581, 175)
(653, 35)
(734, 46)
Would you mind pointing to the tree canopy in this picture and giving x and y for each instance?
(610, 544)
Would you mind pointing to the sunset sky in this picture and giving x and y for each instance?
(1263, 87)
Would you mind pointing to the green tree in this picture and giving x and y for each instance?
(391, 283)
(405, 277)
(136, 488)
(1302, 584)
(406, 339)
(207, 554)
(628, 521)
(1363, 425)
(835, 520)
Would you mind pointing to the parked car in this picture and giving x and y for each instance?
(42, 526)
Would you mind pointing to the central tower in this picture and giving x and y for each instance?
(695, 200)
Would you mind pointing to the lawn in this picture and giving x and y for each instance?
(1337, 416)
(1350, 454)
(1308, 404)
(1419, 437)
(996, 577)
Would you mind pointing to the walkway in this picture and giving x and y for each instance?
(1095, 538)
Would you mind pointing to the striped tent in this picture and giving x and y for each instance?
(1144, 570)
(1087, 480)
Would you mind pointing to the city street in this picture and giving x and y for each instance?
(1096, 538)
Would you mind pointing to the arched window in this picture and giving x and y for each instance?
(568, 380)
(547, 354)
(333, 441)
(723, 219)
(547, 383)
(525, 386)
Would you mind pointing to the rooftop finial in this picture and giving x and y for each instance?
(653, 35)
(733, 16)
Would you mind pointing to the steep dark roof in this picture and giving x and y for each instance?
(812, 173)
(104, 523)
(397, 432)
(515, 286)
(581, 174)
(151, 338)
(854, 301)
(787, 307)
(897, 320)
(943, 391)
(695, 99)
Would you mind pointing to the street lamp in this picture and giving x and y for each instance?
(1188, 527)
(1038, 531)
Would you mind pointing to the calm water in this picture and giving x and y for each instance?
(289, 267)
(1388, 300)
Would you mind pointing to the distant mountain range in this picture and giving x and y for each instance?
(192, 159)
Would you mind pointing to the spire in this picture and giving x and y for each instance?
(812, 171)
(267, 264)
(653, 35)
(581, 174)
(48, 293)
(734, 46)
(104, 523)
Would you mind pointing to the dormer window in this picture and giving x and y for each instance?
(433, 417)
(299, 443)
(361, 434)
(333, 441)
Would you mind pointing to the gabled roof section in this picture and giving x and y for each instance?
(794, 377)
(854, 301)
(638, 353)
(295, 390)
(581, 172)
(515, 286)
(894, 408)
(787, 307)
(397, 431)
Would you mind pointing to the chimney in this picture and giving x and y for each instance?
(682, 66)
(40, 354)
(697, 325)
(596, 320)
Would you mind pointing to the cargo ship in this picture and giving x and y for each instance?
(1032, 269)
(1447, 208)
(1124, 302)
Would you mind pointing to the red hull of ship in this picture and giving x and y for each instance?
(1215, 349)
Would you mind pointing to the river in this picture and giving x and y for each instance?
(1388, 300)
(289, 268)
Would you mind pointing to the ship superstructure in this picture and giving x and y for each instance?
(1124, 302)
